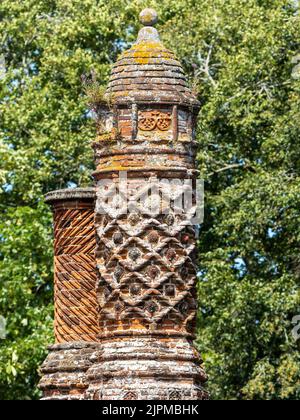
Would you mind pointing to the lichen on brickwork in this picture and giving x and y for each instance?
(109, 136)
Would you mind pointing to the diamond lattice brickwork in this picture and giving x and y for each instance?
(146, 267)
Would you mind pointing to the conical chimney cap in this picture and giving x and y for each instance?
(148, 72)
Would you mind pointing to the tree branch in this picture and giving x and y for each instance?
(233, 166)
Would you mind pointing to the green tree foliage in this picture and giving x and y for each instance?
(239, 56)
(250, 158)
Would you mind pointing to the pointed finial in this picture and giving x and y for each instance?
(149, 17)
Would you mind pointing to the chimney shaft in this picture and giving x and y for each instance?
(125, 315)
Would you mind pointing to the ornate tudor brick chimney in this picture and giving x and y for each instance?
(127, 333)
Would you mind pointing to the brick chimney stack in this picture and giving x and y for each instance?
(145, 253)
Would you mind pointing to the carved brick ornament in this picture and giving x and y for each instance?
(151, 120)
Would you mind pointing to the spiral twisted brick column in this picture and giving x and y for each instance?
(74, 265)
